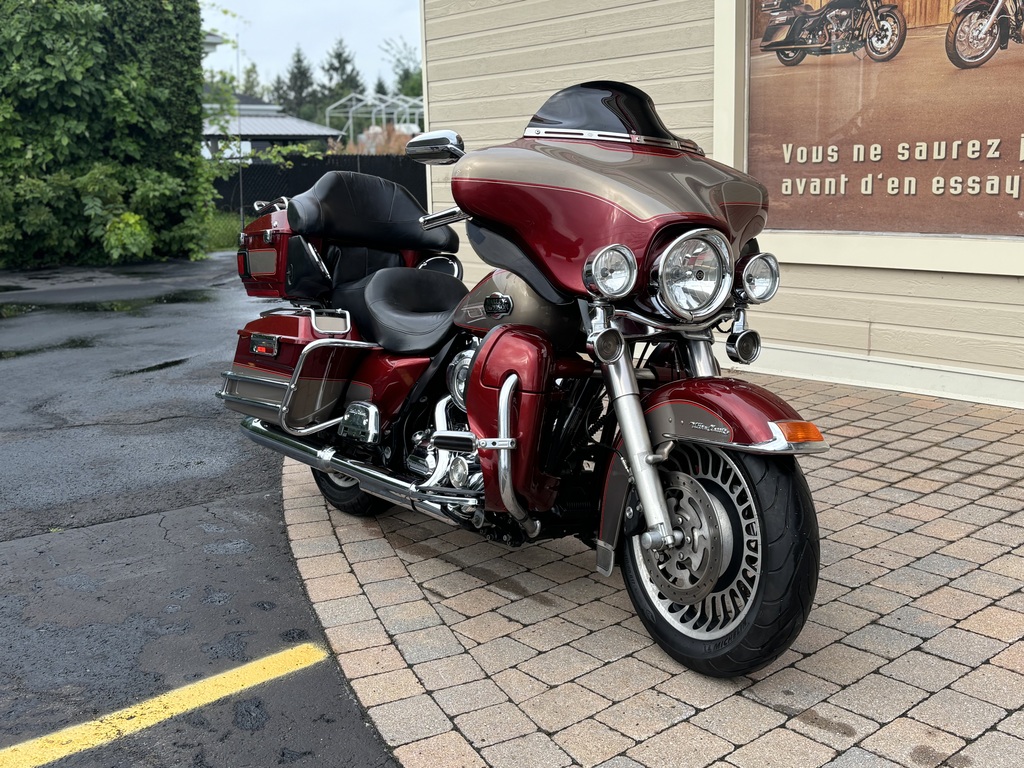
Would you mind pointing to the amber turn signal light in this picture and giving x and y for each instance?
(799, 431)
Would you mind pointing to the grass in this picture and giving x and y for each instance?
(222, 234)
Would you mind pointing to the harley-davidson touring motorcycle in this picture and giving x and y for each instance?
(981, 27)
(839, 26)
(573, 391)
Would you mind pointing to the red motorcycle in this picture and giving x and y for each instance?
(574, 391)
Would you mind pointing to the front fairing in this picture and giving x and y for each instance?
(596, 167)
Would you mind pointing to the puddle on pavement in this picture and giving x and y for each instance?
(77, 342)
(116, 305)
(152, 368)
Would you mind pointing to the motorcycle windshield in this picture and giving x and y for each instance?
(597, 166)
(605, 111)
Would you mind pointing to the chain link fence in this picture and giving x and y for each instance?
(267, 181)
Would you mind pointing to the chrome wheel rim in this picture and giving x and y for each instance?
(711, 600)
(969, 43)
(883, 41)
(340, 480)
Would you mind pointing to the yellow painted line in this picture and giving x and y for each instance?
(78, 738)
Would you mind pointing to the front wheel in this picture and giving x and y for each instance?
(736, 593)
(344, 494)
(966, 47)
(890, 37)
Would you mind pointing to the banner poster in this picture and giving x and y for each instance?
(848, 136)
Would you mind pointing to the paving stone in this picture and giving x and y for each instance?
(996, 685)
(1012, 658)
(1014, 725)
(559, 665)
(909, 742)
(963, 647)
(843, 617)
(642, 716)
(951, 603)
(452, 584)
(428, 644)
(590, 743)
(496, 655)
(987, 583)
(345, 610)
(916, 622)
(530, 610)
(371, 661)
(596, 616)
(401, 722)
(833, 726)
(387, 687)
(879, 698)
(885, 558)
(535, 750)
(791, 691)
(782, 748)
(840, 664)
(612, 643)
(407, 617)
(691, 688)
(912, 543)
(623, 678)
(521, 585)
(449, 750)
(996, 622)
(322, 565)
(355, 637)
(487, 626)
(494, 724)
(384, 569)
(993, 750)
(813, 637)
(373, 549)
(322, 545)
(858, 758)
(560, 571)
(957, 713)
(862, 536)
(519, 686)
(910, 581)
(447, 672)
(563, 706)
(924, 670)
(549, 634)
(681, 746)
(469, 697)
(738, 719)
(475, 602)
(974, 549)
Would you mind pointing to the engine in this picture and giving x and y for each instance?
(841, 21)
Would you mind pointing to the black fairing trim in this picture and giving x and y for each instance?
(404, 310)
(503, 253)
(303, 279)
(358, 209)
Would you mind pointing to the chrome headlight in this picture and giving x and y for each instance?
(694, 274)
(610, 272)
(760, 278)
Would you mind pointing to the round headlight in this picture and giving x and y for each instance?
(694, 274)
(761, 278)
(610, 272)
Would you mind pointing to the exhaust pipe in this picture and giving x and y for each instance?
(372, 480)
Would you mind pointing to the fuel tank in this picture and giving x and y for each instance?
(503, 297)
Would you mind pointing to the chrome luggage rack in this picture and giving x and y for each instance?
(329, 323)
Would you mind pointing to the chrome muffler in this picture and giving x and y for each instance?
(373, 480)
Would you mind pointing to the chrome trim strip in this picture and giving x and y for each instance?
(529, 525)
(621, 138)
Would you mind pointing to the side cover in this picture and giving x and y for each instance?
(728, 413)
(506, 350)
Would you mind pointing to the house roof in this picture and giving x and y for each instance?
(269, 127)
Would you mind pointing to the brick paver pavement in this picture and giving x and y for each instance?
(466, 653)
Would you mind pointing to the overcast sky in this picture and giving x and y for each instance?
(269, 30)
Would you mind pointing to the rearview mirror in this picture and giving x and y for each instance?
(436, 148)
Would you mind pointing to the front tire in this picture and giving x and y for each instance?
(344, 494)
(964, 47)
(888, 41)
(737, 592)
(790, 57)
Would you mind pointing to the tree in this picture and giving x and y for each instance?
(380, 87)
(405, 65)
(340, 75)
(100, 129)
(251, 83)
(300, 87)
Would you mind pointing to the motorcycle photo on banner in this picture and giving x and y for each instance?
(839, 26)
(574, 390)
(981, 27)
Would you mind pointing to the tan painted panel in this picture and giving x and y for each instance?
(846, 335)
(959, 349)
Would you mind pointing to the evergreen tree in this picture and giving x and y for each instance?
(405, 65)
(300, 87)
(340, 74)
(251, 83)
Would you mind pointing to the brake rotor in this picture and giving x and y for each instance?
(688, 573)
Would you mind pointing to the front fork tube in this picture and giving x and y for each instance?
(641, 460)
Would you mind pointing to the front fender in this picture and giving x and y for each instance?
(727, 413)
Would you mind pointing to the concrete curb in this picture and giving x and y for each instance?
(465, 653)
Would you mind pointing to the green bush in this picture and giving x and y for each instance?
(100, 130)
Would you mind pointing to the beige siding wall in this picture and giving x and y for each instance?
(490, 64)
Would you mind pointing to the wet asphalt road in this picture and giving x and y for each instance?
(142, 545)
